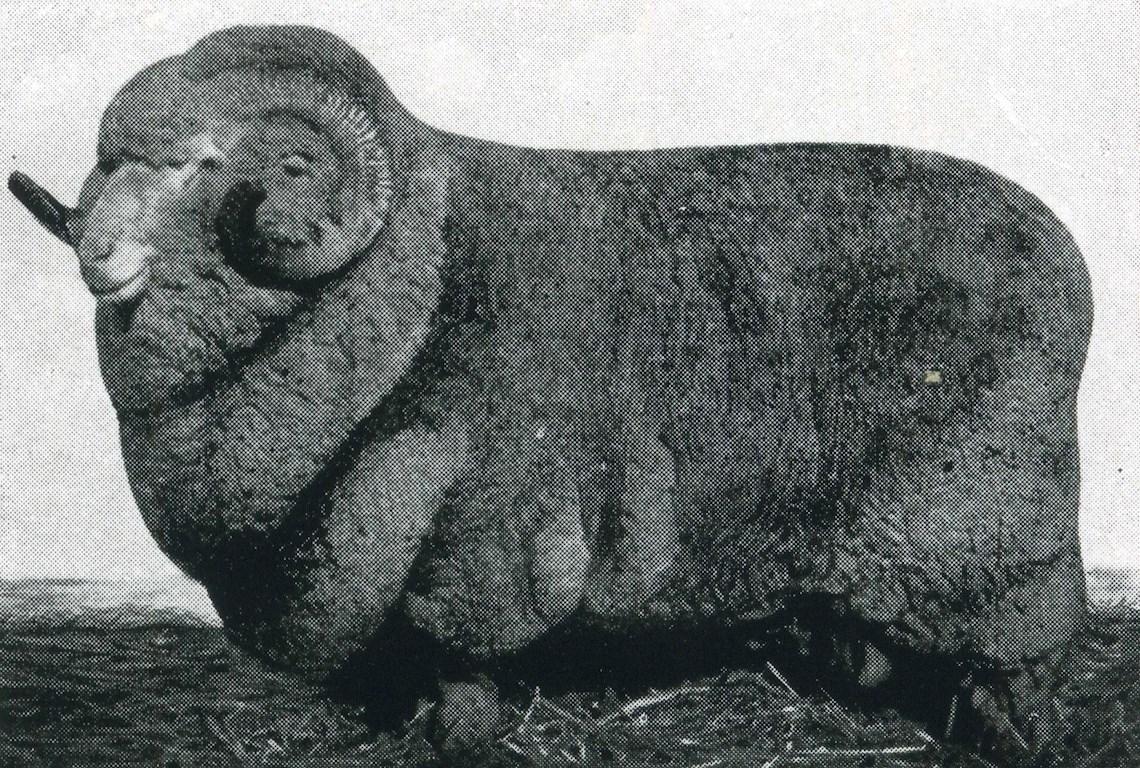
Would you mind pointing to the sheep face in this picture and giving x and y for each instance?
(225, 201)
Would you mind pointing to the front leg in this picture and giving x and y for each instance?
(508, 557)
(316, 600)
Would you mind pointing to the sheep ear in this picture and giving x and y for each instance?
(54, 215)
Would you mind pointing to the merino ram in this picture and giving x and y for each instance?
(399, 397)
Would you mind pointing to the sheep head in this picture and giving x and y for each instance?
(240, 178)
(252, 307)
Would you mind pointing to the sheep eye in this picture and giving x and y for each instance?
(296, 164)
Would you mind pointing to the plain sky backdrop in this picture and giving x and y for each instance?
(1045, 93)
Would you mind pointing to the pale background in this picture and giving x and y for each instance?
(1045, 93)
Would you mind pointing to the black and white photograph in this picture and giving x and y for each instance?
(570, 384)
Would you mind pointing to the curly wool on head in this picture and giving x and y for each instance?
(309, 211)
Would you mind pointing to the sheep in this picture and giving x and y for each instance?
(404, 398)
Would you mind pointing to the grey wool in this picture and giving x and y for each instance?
(392, 393)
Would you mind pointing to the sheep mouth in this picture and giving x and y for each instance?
(125, 290)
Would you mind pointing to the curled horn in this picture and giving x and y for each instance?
(54, 215)
(360, 206)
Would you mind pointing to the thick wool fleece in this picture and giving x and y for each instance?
(612, 390)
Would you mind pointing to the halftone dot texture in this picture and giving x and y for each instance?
(393, 393)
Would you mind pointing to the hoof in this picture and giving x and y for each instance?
(877, 668)
(1000, 736)
(469, 711)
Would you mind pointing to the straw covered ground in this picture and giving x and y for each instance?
(177, 694)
